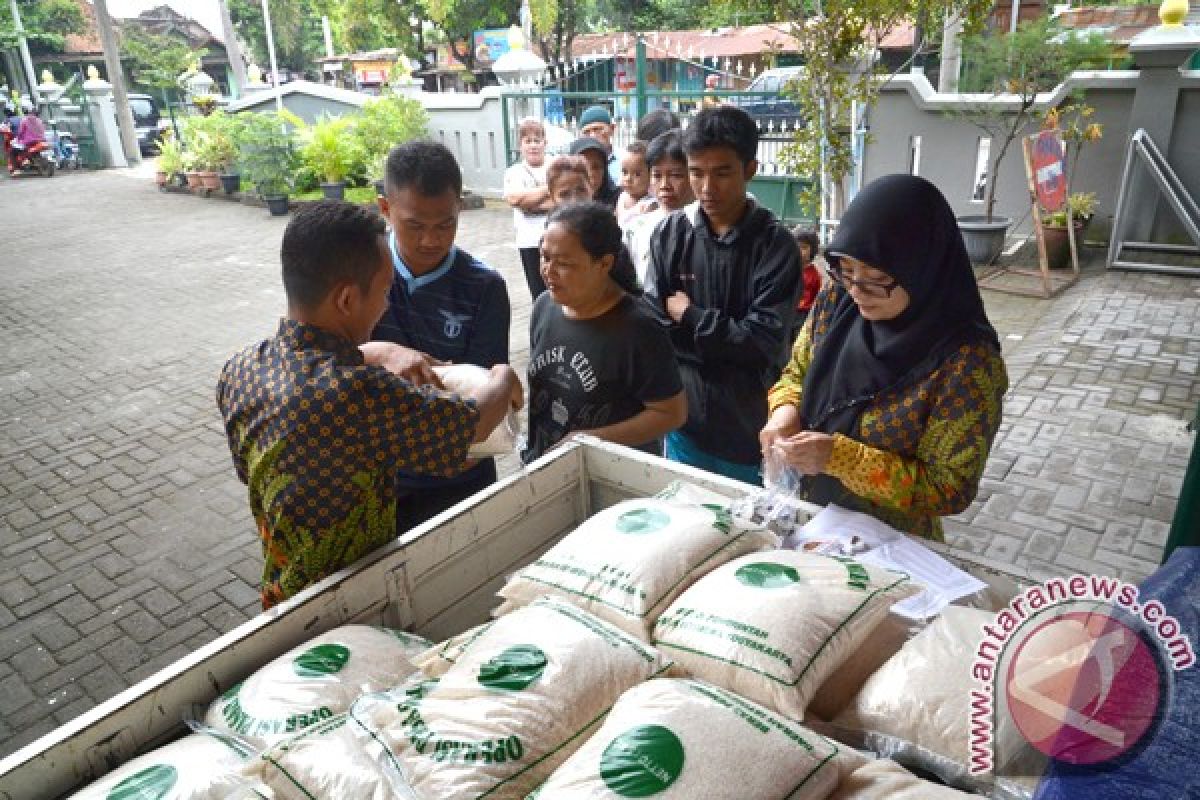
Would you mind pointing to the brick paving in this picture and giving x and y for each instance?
(125, 540)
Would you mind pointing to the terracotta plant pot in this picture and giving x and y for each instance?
(193, 180)
(160, 178)
(1058, 247)
(210, 180)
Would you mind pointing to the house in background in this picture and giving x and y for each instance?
(84, 49)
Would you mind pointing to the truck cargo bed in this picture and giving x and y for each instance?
(435, 581)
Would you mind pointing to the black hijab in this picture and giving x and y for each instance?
(901, 225)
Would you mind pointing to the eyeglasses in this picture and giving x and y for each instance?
(869, 288)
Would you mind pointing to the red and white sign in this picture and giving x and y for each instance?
(1049, 173)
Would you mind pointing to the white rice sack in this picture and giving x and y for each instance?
(196, 767)
(519, 700)
(773, 626)
(465, 380)
(332, 760)
(884, 779)
(916, 708)
(680, 740)
(442, 656)
(314, 682)
(628, 562)
(836, 692)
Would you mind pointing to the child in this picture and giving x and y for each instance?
(724, 276)
(318, 432)
(568, 181)
(672, 192)
(635, 198)
(806, 242)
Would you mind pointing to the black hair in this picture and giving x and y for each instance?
(600, 235)
(429, 167)
(328, 243)
(723, 126)
(809, 237)
(666, 147)
(656, 123)
(637, 148)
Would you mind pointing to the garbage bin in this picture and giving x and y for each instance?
(1185, 529)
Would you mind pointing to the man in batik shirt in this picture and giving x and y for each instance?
(317, 433)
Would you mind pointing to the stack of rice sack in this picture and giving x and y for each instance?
(663, 649)
(249, 743)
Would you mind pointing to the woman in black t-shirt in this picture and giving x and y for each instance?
(598, 362)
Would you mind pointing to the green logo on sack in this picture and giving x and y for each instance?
(643, 520)
(152, 783)
(324, 659)
(642, 762)
(767, 575)
(514, 669)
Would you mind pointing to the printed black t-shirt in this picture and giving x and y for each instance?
(585, 374)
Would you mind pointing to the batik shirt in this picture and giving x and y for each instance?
(920, 449)
(318, 437)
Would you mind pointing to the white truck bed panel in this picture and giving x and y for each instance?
(436, 580)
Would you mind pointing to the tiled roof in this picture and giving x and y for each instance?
(1120, 23)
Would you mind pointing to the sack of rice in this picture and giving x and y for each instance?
(314, 682)
(627, 563)
(679, 739)
(916, 709)
(884, 779)
(196, 767)
(332, 760)
(836, 692)
(773, 626)
(434, 661)
(465, 379)
(520, 699)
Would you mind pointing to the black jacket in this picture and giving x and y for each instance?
(734, 340)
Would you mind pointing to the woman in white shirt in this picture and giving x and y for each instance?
(525, 190)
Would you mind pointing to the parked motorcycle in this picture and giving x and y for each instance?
(37, 159)
(65, 149)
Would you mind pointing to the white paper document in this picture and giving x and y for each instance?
(838, 531)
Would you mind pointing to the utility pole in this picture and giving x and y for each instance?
(271, 54)
(232, 48)
(112, 62)
(26, 61)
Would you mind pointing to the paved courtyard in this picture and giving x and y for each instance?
(125, 539)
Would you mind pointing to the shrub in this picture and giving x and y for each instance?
(384, 123)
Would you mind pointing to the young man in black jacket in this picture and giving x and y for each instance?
(724, 277)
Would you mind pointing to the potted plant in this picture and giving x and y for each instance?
(170, 159)
(1082, 207)
(1014, 69)
(224, 132)
(269, 159)
(191, 169)
(330, 150)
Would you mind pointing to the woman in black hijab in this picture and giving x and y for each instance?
(893, 393)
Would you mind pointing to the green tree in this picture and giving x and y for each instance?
(374, 24)
(296, 26)
(834, 39)
(46, 24)
(1035, 58)
(459, 19)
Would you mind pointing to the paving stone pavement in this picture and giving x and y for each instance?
(125, 539)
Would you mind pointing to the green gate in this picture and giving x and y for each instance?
(70, 112)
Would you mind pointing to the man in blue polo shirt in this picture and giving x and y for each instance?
(444, 307)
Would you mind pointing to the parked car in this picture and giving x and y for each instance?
(772, 104)
(147, 122)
